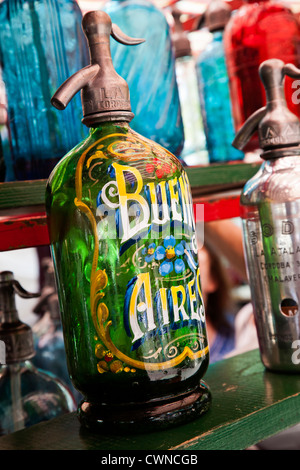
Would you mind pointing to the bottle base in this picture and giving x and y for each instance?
(282, 369)
(147, 416)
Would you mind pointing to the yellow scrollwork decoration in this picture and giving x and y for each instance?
(98, 280)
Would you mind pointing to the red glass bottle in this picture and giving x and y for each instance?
(258, 31)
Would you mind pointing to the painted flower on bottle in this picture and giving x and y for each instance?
(168, 253)
(160, 168)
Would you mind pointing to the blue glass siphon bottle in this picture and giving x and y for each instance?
(41, 44)
(214, 88)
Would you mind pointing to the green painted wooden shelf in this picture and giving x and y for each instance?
(23, 220)
(203, 180)
(248, 405)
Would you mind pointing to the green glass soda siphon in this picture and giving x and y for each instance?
(122, 235)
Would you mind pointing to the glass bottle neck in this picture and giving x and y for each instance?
(17, 367)
(108, 125)
(218, 35)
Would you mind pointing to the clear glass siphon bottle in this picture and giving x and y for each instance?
(41, 44)
(123, 241)
(149, 71)
(258, 31)
(194, 151)
(27, 395)
(270, 211)
(214, 90)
